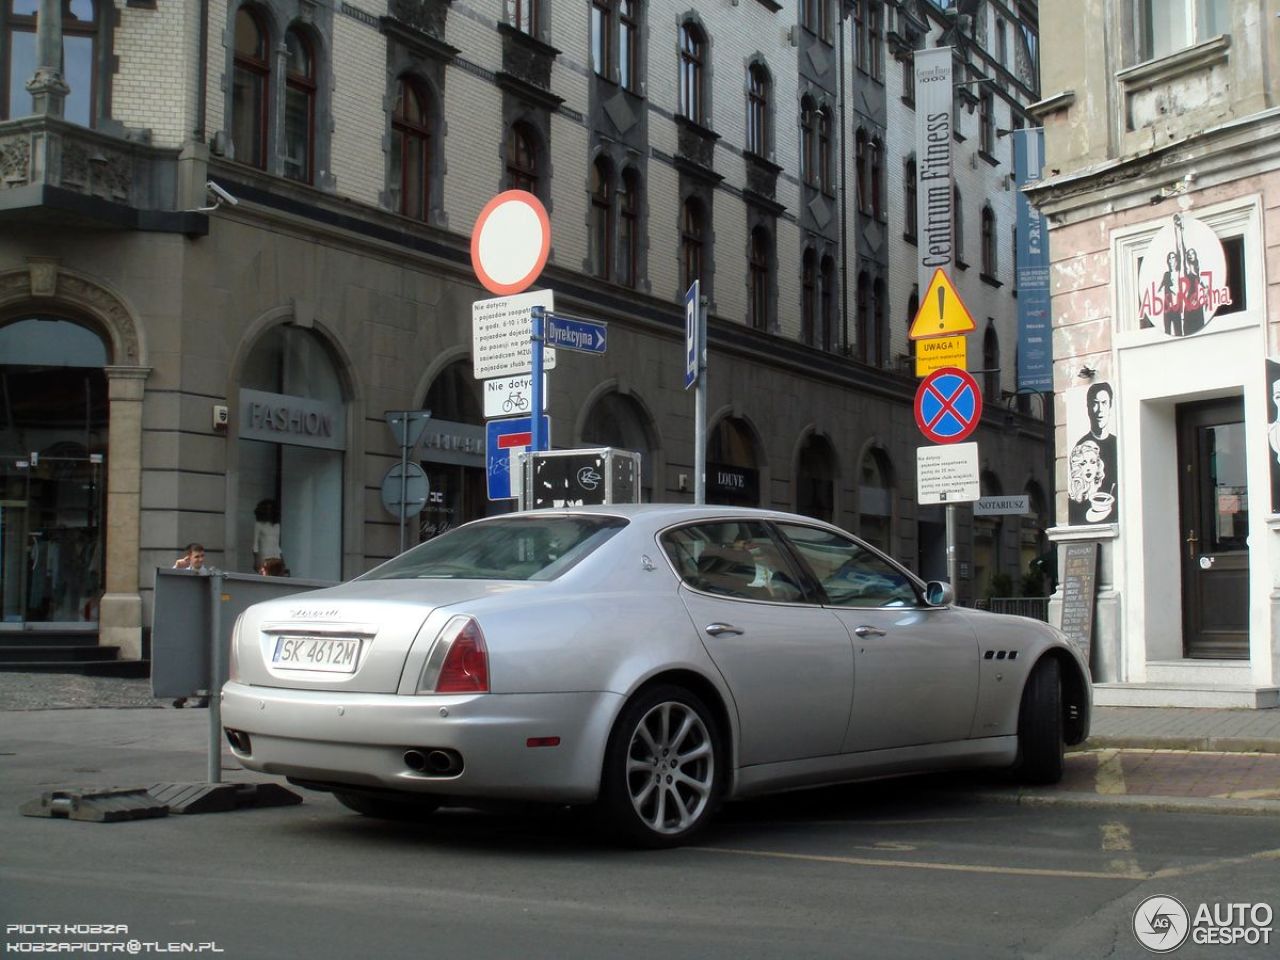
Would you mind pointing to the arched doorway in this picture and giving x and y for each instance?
(875, 499)
(453, 452)
(54, 419)
(293, 436)
(617, 420)
(733, 464)
(816, 478)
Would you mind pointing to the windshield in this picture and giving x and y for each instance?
(510, 548)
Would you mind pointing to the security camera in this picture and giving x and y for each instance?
(221, 193)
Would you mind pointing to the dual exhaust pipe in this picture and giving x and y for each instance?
(433, 762)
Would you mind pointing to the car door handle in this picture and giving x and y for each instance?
(718, 629)
(865, 631)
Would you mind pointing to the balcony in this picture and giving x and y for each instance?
(59, 173)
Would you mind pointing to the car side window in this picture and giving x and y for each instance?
(851, 574)
(732, 559)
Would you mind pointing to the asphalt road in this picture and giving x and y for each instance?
(907, 869)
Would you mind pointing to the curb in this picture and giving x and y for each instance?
(1190, 744)
(1130, 802)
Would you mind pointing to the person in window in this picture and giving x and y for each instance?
(266, 536)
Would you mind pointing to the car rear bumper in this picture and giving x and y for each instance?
(361, 739)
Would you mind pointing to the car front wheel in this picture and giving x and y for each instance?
(1040, 741)
(663, 768)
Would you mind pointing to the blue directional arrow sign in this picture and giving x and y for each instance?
(585, 336)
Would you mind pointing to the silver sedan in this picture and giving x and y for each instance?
(653, 660)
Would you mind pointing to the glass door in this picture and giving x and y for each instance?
(1214, 511)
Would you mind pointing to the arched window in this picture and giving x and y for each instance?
(809, 296)
(522, 159)
(808, 141)
(692, 230)
(758, 110)
(759, 278)
(602, 218)
(629, 228)
(815, 479)
(877, 178)
(411, 151)
(864, 317)
(299, 107)
(988, 241)
(875, 499)
(880, 337)
(827, 304)
(910, 197)
(991, 363)
(826, 162)
(250, 88)
(693, 52)
(616, 420)
(862, 161)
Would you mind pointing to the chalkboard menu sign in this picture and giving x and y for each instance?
(1079, 592)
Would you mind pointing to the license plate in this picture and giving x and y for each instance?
(326, 654)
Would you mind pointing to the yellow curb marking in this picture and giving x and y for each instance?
(1214, 865)
(948, 867)
(1267, 794)
(1110, 776)
(1116, 839)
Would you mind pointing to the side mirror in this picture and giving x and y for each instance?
(938, 593)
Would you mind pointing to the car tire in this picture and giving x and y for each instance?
(1040, 734)
(664, 768)
(386, 808)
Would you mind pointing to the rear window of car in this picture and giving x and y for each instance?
(514, 548)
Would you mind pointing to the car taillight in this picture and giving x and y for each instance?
(466, 664)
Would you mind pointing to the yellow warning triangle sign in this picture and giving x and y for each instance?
(941, 312)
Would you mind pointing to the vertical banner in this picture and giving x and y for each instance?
(935, 220)
(1035, 333)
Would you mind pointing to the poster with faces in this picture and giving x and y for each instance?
(1093, 490)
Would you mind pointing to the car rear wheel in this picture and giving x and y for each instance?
(663, 768)
(386, 808)
(1040, 741)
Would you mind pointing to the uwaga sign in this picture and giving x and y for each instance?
(1183, 280)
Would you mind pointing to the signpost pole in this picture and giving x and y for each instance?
(700, 409)
(952, 564)
(537, 334)
(404, 471)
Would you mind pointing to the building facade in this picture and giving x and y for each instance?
(1160, 190)
(181, 367)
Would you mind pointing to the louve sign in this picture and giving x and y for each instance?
(281, 418)
(1183, 280)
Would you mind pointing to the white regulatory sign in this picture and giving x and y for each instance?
(947, 473)
(511, 396)
(500, 332)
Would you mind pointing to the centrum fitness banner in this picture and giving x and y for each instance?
(935, 197)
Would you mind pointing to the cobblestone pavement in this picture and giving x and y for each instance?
(66, 691)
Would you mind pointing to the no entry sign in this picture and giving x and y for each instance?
(948, 405)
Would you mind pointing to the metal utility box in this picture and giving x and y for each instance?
(570, 478)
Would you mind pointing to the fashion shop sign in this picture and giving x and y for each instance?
(280, 418)
(1183, 280)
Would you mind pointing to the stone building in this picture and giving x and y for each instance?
(1161, 192)
(176, 362)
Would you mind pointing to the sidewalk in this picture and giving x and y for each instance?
(1197, 760)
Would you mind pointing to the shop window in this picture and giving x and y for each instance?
(733, 473)
(411, 151)
(80, 58)
(291, 448)
(453, 453)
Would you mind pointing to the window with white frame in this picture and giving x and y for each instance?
(1167, 26)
